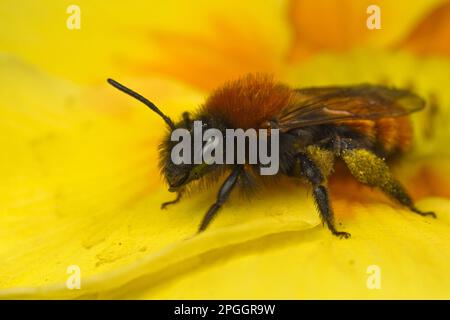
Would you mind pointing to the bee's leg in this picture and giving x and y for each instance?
(369, 169)
(222, 196)
(177, 199)
(313, 174)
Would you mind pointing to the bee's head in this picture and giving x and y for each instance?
(180, 175)
(178, 168)
(176, 172)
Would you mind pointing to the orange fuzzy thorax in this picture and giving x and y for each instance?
(249, 102)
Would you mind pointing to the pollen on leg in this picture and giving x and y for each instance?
(323, 158)
(367, 167)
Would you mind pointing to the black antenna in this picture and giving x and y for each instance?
(145, 101)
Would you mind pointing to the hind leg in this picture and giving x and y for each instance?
(371, 170)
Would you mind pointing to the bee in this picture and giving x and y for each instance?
(361, 126)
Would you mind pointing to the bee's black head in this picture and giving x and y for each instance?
(177, 172)
(178, 168)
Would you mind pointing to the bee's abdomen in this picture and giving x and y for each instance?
(391, 135)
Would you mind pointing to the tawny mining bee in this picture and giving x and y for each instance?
(360, 125)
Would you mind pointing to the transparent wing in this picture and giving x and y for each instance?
(333, 104)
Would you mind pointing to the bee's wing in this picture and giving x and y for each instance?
(332, 104)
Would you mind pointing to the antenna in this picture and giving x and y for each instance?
(145, 101)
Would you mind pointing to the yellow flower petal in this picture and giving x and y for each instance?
(313, 265)
(334, 26)
(204, 42)
(69, 167)
(80, 187)
(431, 35)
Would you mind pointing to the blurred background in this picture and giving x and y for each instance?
(80, 184)
(204, 43)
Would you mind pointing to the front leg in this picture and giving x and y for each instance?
(177, 199)
(222, 196)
